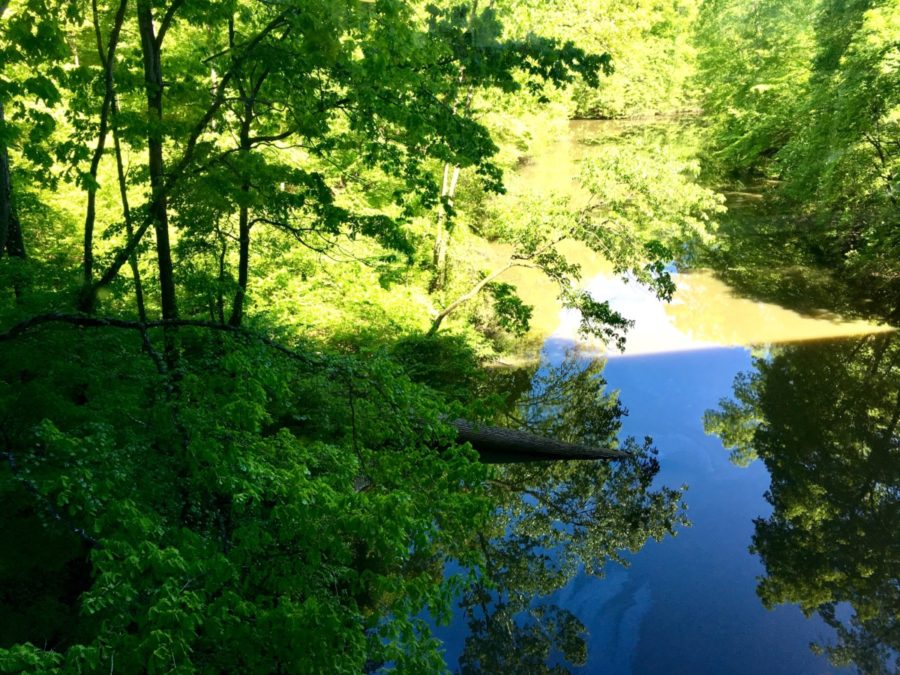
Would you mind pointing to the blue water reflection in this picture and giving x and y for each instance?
(703, 614)
(687, 604)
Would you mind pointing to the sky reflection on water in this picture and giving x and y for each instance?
(705, 313)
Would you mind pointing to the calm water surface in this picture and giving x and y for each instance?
(818, 496)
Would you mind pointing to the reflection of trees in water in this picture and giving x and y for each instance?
(556, 518)
(824, 420)
(765, 252)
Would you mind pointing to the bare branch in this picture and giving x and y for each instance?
(88, 321)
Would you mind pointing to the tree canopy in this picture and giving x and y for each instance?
(224, 235)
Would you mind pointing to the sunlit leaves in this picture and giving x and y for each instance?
(812, 98)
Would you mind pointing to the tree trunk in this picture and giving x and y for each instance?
(448, 187)
(6, 208)
(248, 94)
(158, 210)
(219, 312)
(237, 309)
(499, 445)
(126, 214)
(15, 243)
(107, 60)
(439, 257)
(11, 239)
(442, 234)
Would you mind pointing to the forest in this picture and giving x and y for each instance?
(256, 255)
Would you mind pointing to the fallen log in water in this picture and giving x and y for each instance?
(498, 445)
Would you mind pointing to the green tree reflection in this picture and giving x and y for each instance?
(555, 519)
(824, 418)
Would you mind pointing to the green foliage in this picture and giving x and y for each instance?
(512, 314)
(649, 43)
(446, 363)
(32, 49)
(263, 480)
(256, 518)
(753, 59)
(735, 422)
(808, 93)
(646, 208)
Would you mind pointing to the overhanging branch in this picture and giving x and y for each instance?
(89, 321)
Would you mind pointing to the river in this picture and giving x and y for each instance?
(801, 510)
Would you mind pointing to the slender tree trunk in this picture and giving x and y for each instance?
(450, 181)
(895, 419)
(442, 231)
(441, 244)
(107, 60)
(11, 239)
(159, 202)
(219, 314)
(15, 242)
(449, 184)
(883, 341)
(6, 208)
(126, 214)
(237, 309)
(246, 145)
